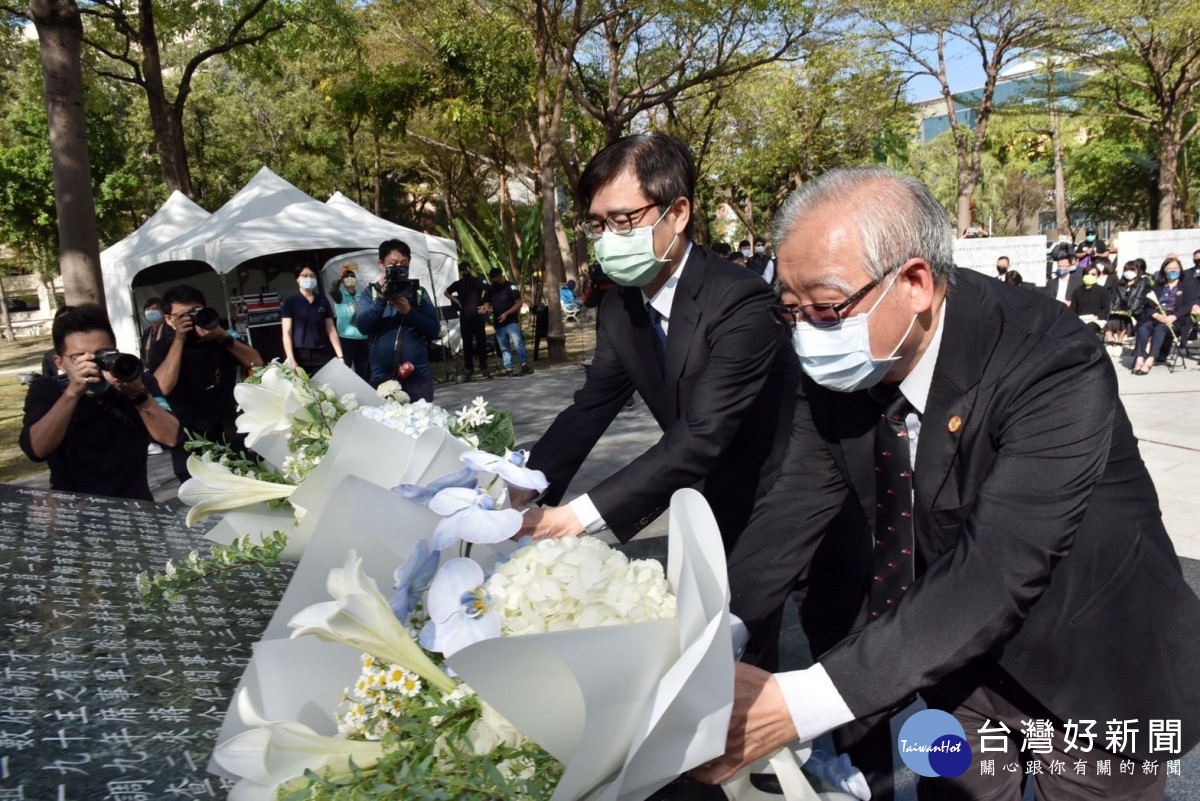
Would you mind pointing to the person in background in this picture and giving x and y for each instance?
(1012, 277)
(155, 328)
(600, 284)
(1066, 280)
(197, 369)
(467, 294)
(744, 249)
(310, 337)
(400, 324)
(1090, 300)
(738, 258)
(1002, 265)
(92, 428)
(1164, 314)
(566, 294)
(1127, 296)
(505, 302)
(722, 249)
(1108, 278)
(355, 351)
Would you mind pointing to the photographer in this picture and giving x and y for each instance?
(91, 426)
(400, 319)
(197, 369)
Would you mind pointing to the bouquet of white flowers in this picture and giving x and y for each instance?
(290, 420)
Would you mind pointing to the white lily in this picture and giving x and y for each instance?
(360, 617)
(213, 487)
(271, 406)
(276, 752)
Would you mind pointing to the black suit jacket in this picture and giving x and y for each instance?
(1074, 281)
(1040, 545)
(727, 386)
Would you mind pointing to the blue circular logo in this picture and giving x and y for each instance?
(932, 743)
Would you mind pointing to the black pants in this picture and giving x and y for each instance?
(312, 359)
(474, 339)
(356, 353)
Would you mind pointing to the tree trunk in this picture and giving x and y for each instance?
(5, 320)
(165, 119)
(1061, 222)
(966, 188)
(549, 118)
(377, 174)
(1168, 170)
(567, 253)
(60, 40)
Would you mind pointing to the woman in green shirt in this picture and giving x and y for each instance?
(355, 349)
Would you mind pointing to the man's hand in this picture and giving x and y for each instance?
(183, 325)
(215, 335)
(761, 724)
(130, 389)
(519, 498)
(81, 375)
(554, 522)
(402, 305)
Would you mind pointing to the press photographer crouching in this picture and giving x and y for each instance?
(197, 368)
(93, 422)
(400, 319)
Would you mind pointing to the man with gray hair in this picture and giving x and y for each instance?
(970, 435)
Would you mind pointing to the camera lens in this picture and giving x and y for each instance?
(123, 366)
(206, 318)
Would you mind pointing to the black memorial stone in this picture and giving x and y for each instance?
(100, 698)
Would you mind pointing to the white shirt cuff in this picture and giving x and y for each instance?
(588, 514)
(814, 703)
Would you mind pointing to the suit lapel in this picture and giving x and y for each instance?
(949, 416)
(684, 321)
(854, 415)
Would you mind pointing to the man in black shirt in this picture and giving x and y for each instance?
(505, 303)
(467, 294)
(198, 369)
(91, 428)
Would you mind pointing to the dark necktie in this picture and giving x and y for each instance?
(892, 557)
(660, 336)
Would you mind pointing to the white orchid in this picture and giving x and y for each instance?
(272, 405)
(273, 753)
(213, 487)
(510, 467)
(360, 617)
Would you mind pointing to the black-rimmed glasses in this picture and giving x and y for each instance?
(619, 222)
(821, 315)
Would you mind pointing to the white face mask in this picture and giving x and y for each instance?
(308, 282)
(629, 259)
(1129, 276)
(746, 252)
(759, 249)
(840, 357)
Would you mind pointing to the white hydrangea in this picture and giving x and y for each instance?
(409, 418)
(575, 583)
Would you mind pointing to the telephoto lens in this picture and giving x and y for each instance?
(122, 366)
(206, 318)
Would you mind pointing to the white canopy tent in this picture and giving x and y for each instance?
(176, 217)
(270, 216)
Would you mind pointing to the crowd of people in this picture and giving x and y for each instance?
(1152, 310)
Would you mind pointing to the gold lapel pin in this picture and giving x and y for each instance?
(954, 424)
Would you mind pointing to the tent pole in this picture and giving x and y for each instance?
(437, 307)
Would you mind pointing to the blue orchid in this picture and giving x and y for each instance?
(464, 478)
(460, 610)
(413, 578)
(471, 515)
(510, 467)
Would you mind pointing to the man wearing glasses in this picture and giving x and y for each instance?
(691, 333)
(1019, 568)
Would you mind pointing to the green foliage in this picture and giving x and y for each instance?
(482, 242)
(497, 436)
(156, 591)
(429, 755)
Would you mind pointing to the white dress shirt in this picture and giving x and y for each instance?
(814, 702)
(662, 300)
(1061, 293)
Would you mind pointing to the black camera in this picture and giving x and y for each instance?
(204, 318)
(122, 366)
(399, 285)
